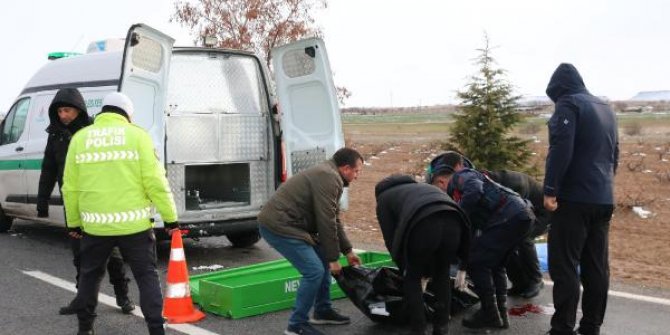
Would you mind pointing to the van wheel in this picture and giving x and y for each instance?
(243, 240)
(5, 222)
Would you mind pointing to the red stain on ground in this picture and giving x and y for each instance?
(525, 309)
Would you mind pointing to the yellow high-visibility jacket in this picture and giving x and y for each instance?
(113, 179)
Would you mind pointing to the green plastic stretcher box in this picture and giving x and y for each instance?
(261, 288)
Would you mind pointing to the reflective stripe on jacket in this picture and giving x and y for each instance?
(113, 178)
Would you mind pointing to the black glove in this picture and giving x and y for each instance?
(171, 225)
(42, 210)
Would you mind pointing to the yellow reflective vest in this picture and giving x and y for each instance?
(113, 179)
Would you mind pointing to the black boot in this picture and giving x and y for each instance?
(122, 300)
(85, 327)
(440, 320)
(67, 310)
(487, 316)
(157, 330)
(502, 308)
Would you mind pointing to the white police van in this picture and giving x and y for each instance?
(210, 113)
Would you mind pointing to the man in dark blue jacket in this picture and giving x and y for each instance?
(581, 162)
(503, 220)
(523, 266)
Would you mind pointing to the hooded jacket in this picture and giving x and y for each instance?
(583, 142)
(58, 140)
(402, 203)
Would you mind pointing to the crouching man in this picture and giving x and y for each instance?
(503, 220)
(301, 221)
(425, 231)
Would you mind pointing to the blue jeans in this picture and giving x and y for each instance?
(314, 289)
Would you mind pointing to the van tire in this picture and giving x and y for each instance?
(5, 222)
(245, 239)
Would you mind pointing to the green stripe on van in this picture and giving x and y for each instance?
(26, 164)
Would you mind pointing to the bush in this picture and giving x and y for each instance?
(633, 129)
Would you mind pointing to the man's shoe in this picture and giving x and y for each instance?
(302, 329)
(67, 310)
(86, 332)
(157, 330)
(128, 307)
(330, 317)
(487, 316)
(514, 291)
(125, 303)
(533, 290)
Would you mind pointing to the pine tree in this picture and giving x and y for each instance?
(484, 118)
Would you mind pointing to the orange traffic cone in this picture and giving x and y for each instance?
(177, 305)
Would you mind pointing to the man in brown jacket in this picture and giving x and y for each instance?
(301, 221)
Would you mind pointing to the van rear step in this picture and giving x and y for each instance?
(217, 186)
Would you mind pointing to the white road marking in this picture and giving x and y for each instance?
(631, 296)
(111, 301)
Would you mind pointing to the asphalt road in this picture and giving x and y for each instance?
(36, 277)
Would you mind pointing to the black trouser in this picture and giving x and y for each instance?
(523, 266)
(115, 268)
(431, 249)
(490, 250)
(579, 238)
(139, 251)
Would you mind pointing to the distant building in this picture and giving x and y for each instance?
(534, 105)
(652, 96)
(638, 109)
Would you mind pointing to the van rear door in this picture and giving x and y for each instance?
(309, 112)
(144, 78)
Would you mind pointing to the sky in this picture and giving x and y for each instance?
(396, 52)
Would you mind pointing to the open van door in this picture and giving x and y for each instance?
(144, 78)
(309, 112)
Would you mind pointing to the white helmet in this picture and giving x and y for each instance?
(119, 100)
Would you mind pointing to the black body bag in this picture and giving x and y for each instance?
(378, 293)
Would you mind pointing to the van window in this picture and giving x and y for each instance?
(215, 83)
(12, 127)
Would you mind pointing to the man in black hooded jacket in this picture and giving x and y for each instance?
(425, 231)
(578, 189)
(67, 115)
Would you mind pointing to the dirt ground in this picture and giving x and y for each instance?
(639, 247)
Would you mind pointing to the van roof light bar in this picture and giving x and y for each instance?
(59, 54)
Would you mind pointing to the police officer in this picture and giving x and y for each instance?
(67, 115)
(502, 218)
(112, 180)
